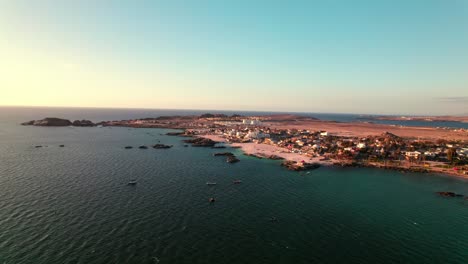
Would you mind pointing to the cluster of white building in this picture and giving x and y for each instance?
(252, 122)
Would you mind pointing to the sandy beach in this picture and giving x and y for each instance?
(264, 150)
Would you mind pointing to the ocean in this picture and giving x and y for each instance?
(73, 204)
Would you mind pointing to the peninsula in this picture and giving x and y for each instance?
(304, 142)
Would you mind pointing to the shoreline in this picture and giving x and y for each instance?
(265, 151)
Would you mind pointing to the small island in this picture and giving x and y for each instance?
(59, 122)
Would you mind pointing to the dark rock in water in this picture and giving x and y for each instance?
(38, 146)
(49, 121)
(83, 123)
(223, 154)
(62, 146)
(185, 145)
(128, 147)
(218, 147)
(232, 159)
(201, 142)
(175, 133)
(449, 194)
(143, 147)
(29, 123)
(299, 166)
(161, 146)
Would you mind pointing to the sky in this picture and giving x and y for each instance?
(361, 56)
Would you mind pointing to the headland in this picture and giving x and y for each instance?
(304, 142)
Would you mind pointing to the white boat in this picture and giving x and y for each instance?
(132, 182)
(210, 183)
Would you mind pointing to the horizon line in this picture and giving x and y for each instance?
(224, 110)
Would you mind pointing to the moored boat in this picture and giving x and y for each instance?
(132, 182)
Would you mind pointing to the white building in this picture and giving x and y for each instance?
(253, 122)
(413, 154)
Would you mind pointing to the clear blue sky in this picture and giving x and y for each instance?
(363, 56)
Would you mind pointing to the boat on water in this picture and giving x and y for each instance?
(210, 183)
(211, 200)
(237, 182)
(132, 182)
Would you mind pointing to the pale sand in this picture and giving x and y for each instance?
(356, 129)
(264, 150)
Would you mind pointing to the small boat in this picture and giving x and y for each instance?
(143, 147)
(211, 200)
(237, 182)
(132, 182)
(210, 183)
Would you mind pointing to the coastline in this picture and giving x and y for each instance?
(265, 151)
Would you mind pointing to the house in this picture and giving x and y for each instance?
(413, 154)
(361, 145)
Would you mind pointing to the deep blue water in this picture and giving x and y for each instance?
(73, 205)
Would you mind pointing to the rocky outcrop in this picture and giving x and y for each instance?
(83, 123)
(299, 166)
(49, 121)
(201, 142)
(230, 158)
(223, 154)
(175, 133)
(162, 146)
(275, 157)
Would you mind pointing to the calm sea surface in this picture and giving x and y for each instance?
(73, 205)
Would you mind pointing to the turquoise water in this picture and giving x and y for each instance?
(73, 205)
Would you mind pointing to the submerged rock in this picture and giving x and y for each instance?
(449, 194)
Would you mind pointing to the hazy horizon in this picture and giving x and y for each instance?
(364, 57)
